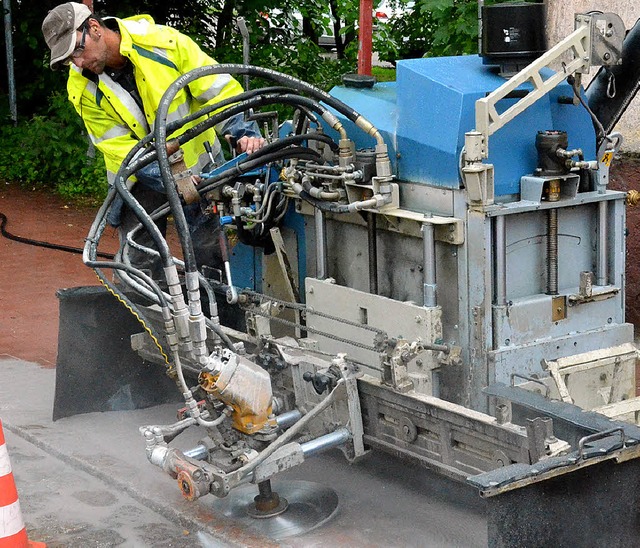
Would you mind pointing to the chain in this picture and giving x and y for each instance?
(316, 331)
(319, 352)
(308, 310)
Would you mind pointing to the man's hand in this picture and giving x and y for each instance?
(247, 144)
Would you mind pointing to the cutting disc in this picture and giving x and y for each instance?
(310, 505)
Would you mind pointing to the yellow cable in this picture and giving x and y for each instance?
(146, 328)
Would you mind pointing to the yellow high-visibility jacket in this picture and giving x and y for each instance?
(159, 55)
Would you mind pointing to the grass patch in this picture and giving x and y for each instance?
(384, 74)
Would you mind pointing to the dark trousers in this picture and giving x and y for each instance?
(204, 231)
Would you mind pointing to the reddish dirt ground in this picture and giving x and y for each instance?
(30, 276)
(625, 176)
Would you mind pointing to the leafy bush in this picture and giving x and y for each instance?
(50, 151)
(406, 35)
(47, 148)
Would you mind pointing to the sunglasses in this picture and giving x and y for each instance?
(79, 48)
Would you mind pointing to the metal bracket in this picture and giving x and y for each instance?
(606, 153)
(353, 401)
(597, 39)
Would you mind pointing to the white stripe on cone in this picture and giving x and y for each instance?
(5, 465)
(10, 520)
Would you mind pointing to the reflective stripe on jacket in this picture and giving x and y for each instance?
(159, 55)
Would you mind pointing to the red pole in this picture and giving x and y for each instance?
(365, 42)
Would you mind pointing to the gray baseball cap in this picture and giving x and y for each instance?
(59, 30)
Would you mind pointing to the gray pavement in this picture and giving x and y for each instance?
(85, 481)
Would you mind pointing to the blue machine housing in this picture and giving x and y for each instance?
(424, 115)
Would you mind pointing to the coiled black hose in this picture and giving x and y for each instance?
(40, 243)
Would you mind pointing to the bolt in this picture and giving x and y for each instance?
(419, 363)
(418, 319)
(197, 475)
(311, 290)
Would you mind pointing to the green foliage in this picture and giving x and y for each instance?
(406, 35)
(454, 24)
(384, 74)
(47, 148)
(50, 151)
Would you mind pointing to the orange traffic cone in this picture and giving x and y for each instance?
(13, 533)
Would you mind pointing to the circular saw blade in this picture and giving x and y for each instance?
(310, 505)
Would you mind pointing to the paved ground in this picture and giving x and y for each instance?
(84, 481)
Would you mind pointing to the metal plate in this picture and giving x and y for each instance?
(310, 505)
(558, 308)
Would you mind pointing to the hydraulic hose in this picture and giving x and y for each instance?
(212, 322)
(272, 75)
(184, 80)
(609, 106)
(317, 193)
(263, 99)
(39, 243)
(241, 168)
(140, 212)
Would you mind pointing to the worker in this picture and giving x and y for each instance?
(118, 71)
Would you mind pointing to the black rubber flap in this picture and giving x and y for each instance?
(96, 369)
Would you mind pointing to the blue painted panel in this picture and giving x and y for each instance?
(424, 115)
(246, 266)
(378, 105)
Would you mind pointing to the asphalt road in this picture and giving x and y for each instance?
(85, 481)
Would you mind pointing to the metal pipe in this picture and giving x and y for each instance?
(8, 38)
(321, 245)
(480, 6)
(373, 252)
(246, 41)
(285, 438)
(328, 441)
(552, 252)
(429, 268)
(602, 274)
(199, 452)
(288, 418)
(500, 250)
(365, 37)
